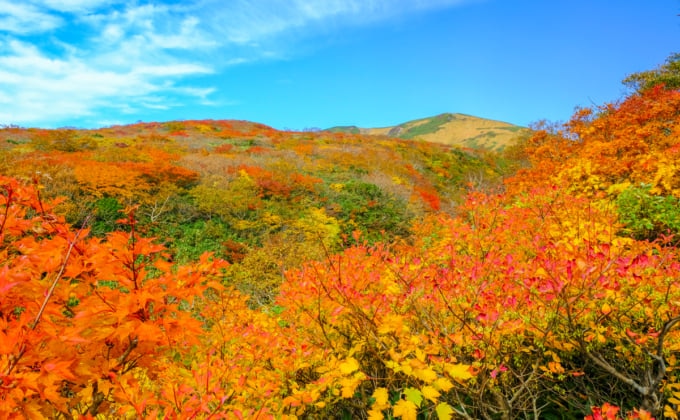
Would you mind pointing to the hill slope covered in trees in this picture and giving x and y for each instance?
(347, 276)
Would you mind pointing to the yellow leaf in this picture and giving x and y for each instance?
(390, 323)
(381, 396)
(348, 386)
(393, 365)
(32, 412)
(375, 415)
(355, 349)
(443, 384)
(459, 371)
(555, 367)
(430, 393)
(426, 375)
(406, 410)
(349, 366)
(444, 411)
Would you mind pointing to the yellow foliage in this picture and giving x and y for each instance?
(444, 411)
(337, 187)
(348, 366)
(430, 393)
(375, 414)
(666, 180)
(316, 226)
(406, 410)
(443, 384)
(381, 397)
(426, 375)
(350, 384)
(459, 371)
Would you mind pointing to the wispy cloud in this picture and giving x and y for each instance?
(75, 60)
(25, 18)
(248, 22)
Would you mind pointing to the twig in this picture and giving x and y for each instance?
(72, 244)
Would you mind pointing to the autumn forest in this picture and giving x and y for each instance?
(225, 269)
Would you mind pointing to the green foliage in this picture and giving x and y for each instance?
(351, 129)
(233, 200)
(107, 212)
(174, 125)
(668, 74)
(365, 207)
(188, 241)
(64, 140)
(647, 216)
(432, 125)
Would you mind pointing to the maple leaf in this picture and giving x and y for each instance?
(405, 409)
(443, 384)
(427, 375)
(61, 369)
(430, 393)
(374, 414)
(459, 371)
(381, 397)
(444, 411)
(414, 395)
(348, 366)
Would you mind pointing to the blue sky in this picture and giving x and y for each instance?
(318, 63)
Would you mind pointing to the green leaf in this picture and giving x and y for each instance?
(444, 411)
(414, 395)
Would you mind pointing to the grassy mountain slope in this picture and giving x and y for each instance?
(450, 129)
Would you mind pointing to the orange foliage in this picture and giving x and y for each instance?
(521, 302)
(430, 197)
(625, 142)
(278, 184)
(83, 318)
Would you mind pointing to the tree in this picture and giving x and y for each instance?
(667, 74)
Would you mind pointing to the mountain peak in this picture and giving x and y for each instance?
(448, 128)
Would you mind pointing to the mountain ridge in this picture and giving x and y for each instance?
(453, 129)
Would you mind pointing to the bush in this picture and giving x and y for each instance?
(647, 216)
(365, 207)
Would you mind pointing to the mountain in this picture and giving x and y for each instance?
(450, 129)
(225, 186)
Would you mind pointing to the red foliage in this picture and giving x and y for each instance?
(430, 196)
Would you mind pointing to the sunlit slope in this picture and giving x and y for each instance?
(450, 129)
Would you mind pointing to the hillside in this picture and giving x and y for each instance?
(450, 129)
(223, 269)
(243, 190)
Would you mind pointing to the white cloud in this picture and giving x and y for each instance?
(251, 23)
(171, 70)
(42, 89)
(122, 63)
(65, 60)
(25, 18)
(189, 37)
(75, 6)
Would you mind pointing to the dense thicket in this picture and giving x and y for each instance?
(222, 269)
